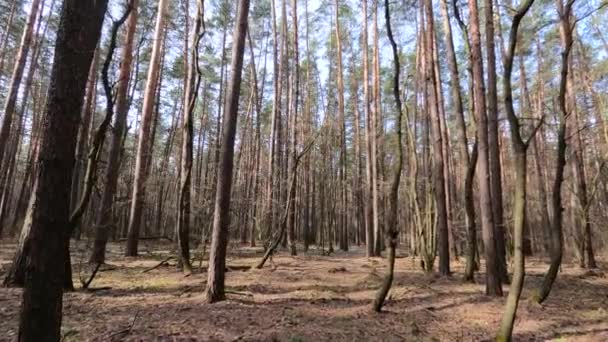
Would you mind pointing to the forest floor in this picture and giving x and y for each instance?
(310, 298)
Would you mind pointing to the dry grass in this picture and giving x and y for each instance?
(311, 298)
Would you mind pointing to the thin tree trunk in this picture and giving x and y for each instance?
(520, 151)
(104, 223)
(557, 237)
(581, 216)
(7, 171)
(269, 218)
(84, 133)
(370, 222)
(374, 135)
(293, 114)
(6, 34)
(392, 232)
(493, 144)
(15, 82)
(342, 227)
(221, 220)
(438, 154)
(194, 79)
(143, 147)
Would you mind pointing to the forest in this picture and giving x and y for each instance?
(303, 170)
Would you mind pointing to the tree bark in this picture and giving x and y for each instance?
(84, 133)
(557, 238)
(221, 220)
(392, 231)
(192, 86)
(9, 167)
(493, 144)
(293, 114)
(104, 223)
(143, 147)
(493, 281)
(438, 154)
(375, 119)
(49, 210)
(342, 227)
(6, 34)
(370, 222)
(520, 151)
(581, 216)
(15, 82)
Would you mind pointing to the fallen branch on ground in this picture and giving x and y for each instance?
(246, 294)
(126, 331)
(158, 265)
(151, 238)
(85, 284)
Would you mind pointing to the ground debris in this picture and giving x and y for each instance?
(314, 298)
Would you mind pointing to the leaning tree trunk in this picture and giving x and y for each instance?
(6, 35)
(392, 231)
(15, 82)
(104, 224)
(471, 160)
(221, 219)
(93, 156)
(143, 147)
(283, 224)
(49, 210)
(8, 168)
(193, 83)
(557, 236)
(520, 151)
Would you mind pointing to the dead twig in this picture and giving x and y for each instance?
(85, 284)
(126, 331)
(151, 238)
(158, 265)
(96, 289)
(246, 294)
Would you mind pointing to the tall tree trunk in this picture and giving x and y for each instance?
(307, 133)
(493, 281)
(581, 216)
(293, 113)
(269, 217)
(104, 223)
(392, 232)
(84, 133)
(8, 168)
(49, 210)
(342, 227)
(438, 158)
(445, 146)
(557, 237)
(192, 86)
(15, 82)
(143, 147)
(6, 34)
(370, 221)
(468, 163)
(493, 143)
(374, 135)
(221, 217)
(520, 151)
